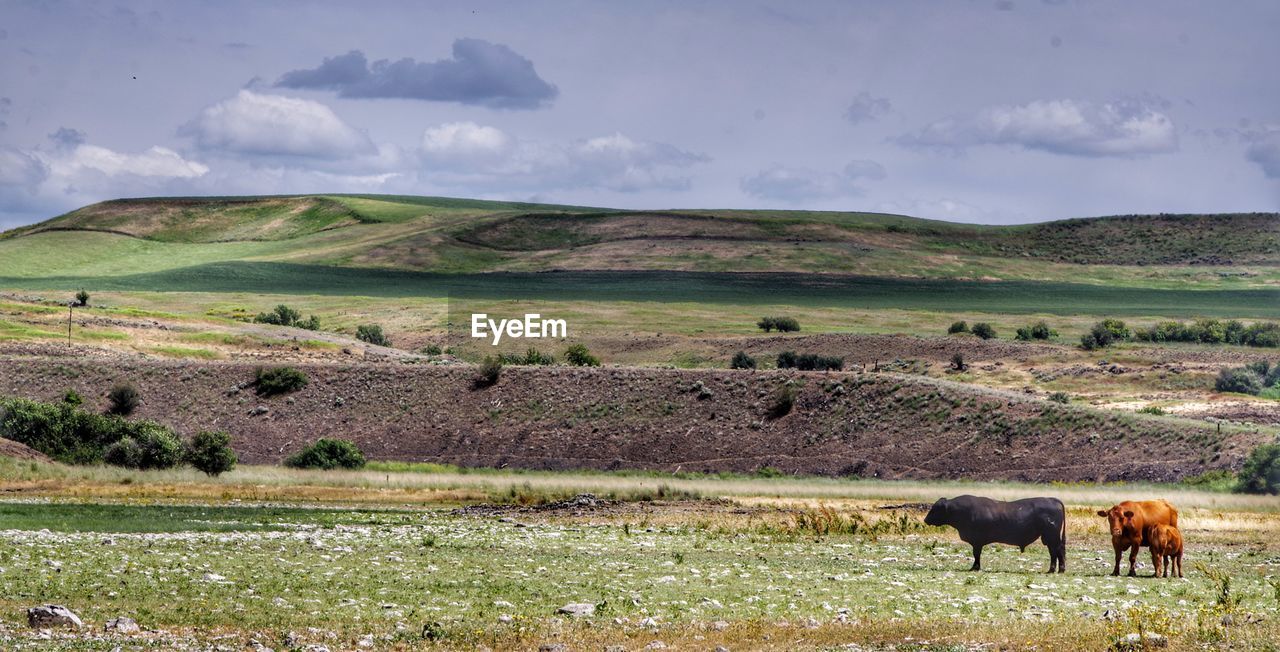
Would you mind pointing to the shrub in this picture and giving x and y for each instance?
(781, 324)
(160, 447)
(1261, 472)
(278, 380)
(742, 361)
(60, 430)
(489, 372)
(327, 454)
(285, 316)
(984, 330)
(1212, 331)
(82, 298)
(1060, 397)
(958, 327)
(786, 360)
(814, 362)
(957, 361)
(536, 357)
(1238, 379)
(432, 349)
(72, 398)
(126, 453)
(1104, 334)
(578, 356)
(123, 399)
(1152, 409)
(210, 452)
(783, 400)
(372, 334)
(1037, 331)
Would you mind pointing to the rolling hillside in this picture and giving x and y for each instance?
(453, 235)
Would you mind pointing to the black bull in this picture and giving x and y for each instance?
(981, 521)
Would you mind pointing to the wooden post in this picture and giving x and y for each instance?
(70, 307)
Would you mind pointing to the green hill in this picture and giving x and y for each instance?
(443, 235)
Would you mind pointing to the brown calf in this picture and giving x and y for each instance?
(1166, 550)
(1131, 524)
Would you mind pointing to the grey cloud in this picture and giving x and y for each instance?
(1068, 127)
(800, 184)
(480, 73)
(1004, 5)
(67, 137)
(20, 169)
(865, 108)
(1264, 150)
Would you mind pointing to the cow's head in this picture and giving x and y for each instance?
(937, 514)
(1119, 519)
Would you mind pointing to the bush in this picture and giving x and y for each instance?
(783, 400)
(742, 361)
(160, 447)
(82, 298)
(210, 452)
(372, 334)
(536, 357)
(123, 399)
(327, 454)
(1238, 379)
(578, 356)
(73, 436)
(72, 398)
(1261, 472)
(126, 453)
(1104, 334)
(984, 330)
(958, 327)
(814, 362)
(489, 372)
(1212, 331)
(781, 324)
(786, 360)
(957, 361)
(432, 349)
(1060, 397)
(1037, 331)
(278, 380)
(285, 316)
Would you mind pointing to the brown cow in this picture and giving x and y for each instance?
(1131, 524)
(1166, 550)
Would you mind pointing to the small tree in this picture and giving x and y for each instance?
(328, 454)
(279, 380)
(766, 324)
(82, 298)
(984, 330)
(72, 398)
(786, 360)
(210, 452)
(123, 399)
(1238, 379)
(1261, 472)
(489, 372)
(742, 361)
(958, 327)
(578, 356)
(786, 324)
(957, 361)
(372, 334)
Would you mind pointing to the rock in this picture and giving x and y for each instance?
(650, 622)
(720, 625)
(122, 625)
(52, 615)
(721, 648)
(656, 645)
(1146, 640)
(506, 619)
(578, 609)
(553, 647)
(258, 410)
(365, 641)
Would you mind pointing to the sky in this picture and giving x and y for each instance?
(989, 111)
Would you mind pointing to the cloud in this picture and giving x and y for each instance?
(274, 125)
(1067, 127)
(19, 169)
(1264, 150)
(480, 73)
(866, 108)
(67, 137)
(470, 155)
(800, 184)
(155, 162)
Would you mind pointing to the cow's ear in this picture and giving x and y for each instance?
(1128, 514)
(1102, 513)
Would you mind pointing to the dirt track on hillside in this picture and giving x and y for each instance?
(866, 424)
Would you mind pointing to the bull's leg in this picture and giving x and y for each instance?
(1133, 560)
(1116, 571)
(977, 557)
(1062, 557)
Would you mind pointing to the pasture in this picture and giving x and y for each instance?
(277, 558)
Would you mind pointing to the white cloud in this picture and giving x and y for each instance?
(155, 162)
(1068, 127)
(1264, 149)
(20, 169)
(274, 125)
(475, 156)
(801, 184)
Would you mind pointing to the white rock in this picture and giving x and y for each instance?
(122, 625)
(52, 615)
(578, 609)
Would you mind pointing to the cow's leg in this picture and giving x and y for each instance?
(977, 557)
(1178, 559)
(1133, 560)
(1157, 562)
(1116, 571)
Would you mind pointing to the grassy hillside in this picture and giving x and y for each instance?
(431, 234)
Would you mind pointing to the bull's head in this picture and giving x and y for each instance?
(1120, 520)
(937, 514)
